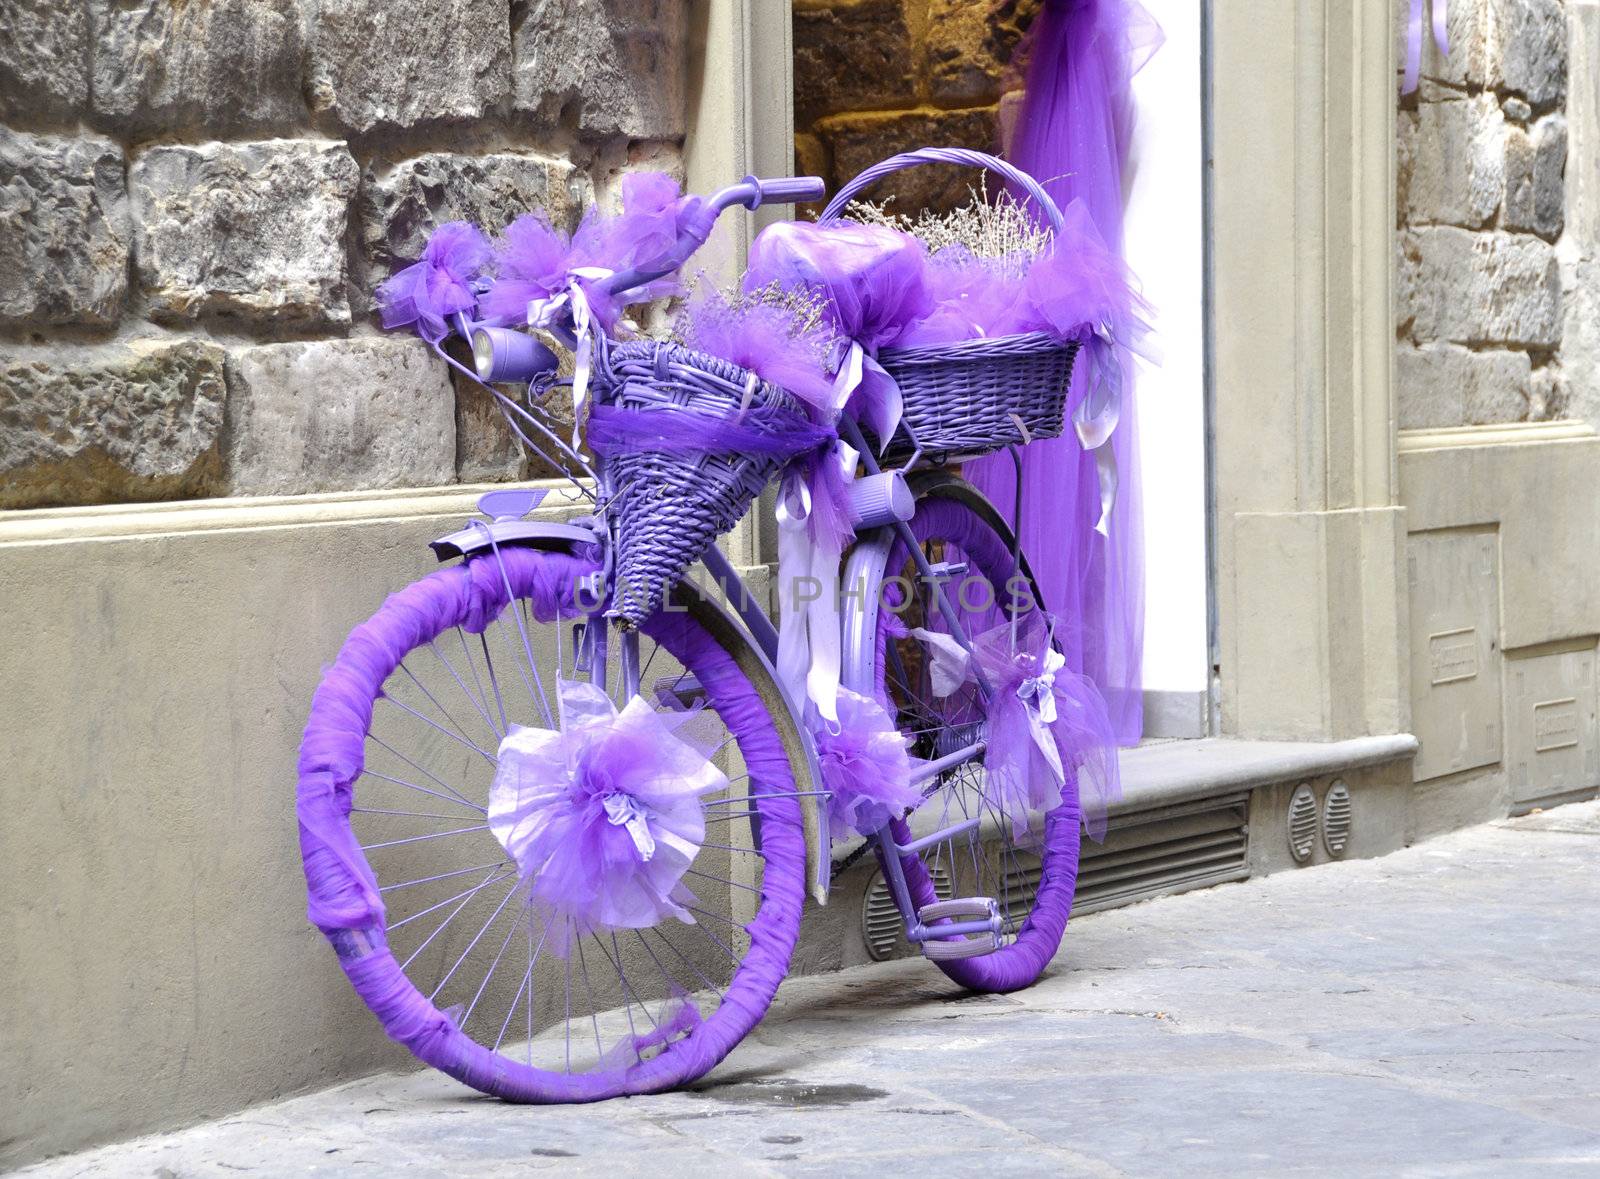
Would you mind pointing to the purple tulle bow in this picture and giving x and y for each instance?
(603, 816)
(537, 263)
(866, 768)
(1047, 725)
(873, 277)
(439, 285)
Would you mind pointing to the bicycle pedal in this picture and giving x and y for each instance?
(972, 907)
(972, 928)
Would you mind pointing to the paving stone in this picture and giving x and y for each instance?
(334, 415)
(216, 67)
(64, 229)
(252, 230)
(402, 203)
(112, 424)
(43, 59)
(851, 56)
(1535, 173)
(1430, 1013)
(375, 64)
(858, 141)
(1478, 288)
(1448, 385)
(1452, 162)
(619, 66)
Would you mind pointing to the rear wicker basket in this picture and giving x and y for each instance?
(975, 396)
(669, 508)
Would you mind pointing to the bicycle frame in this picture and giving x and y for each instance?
(879, 535)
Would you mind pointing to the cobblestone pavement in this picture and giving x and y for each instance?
(1432, 1013)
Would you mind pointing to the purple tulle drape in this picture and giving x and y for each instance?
(1073, 134)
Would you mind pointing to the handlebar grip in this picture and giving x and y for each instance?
(786, 189)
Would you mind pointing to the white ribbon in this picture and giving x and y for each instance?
(1038, 696)
(883, 416)
(808, 634)
(949, 663)
(1095, 421)
(623, 810)
(546, 312)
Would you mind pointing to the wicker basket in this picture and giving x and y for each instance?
(668, 508)
(974, 396)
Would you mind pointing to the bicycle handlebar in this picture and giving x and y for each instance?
(752, 192)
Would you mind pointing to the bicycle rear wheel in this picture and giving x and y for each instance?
(433, 921)
(1031, 878)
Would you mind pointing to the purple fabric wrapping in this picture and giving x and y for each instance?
(865, 766)
(1047, 725)
(1073, 134)
(602, 816)
(343, 895)
(761, 431)
(439, 285)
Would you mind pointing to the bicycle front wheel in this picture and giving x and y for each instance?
(1032, 877)
(434, 921)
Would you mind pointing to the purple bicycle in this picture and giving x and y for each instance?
(561, 804)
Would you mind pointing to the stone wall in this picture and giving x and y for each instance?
(875, 77)
(1487, 252)
(196, 200)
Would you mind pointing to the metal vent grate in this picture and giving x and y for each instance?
(1336, 818)
(1148, 854)
(881, 926)
(1302, 822)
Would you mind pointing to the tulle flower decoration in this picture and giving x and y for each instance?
(1048, 727)
(603, 816)
(865, 766)
(536, 263)
(439, 285)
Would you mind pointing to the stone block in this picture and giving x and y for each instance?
(486, 449)
(219, 66)
(849, 56)
(620, 67)
(1547, 394)
(1452, 162)
(44, 56)
(1478, 288)
(858, 141)
(123, 423)
(253, 230)
(1530, 49)
(967, 47)
(402, 203)
(374, 63)
(1448, 385)
(332, 415)
(1535, 177)
(64, 229)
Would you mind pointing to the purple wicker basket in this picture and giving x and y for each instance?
(974, 396)
(669, 507)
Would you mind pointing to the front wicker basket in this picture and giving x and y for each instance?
(669, 508)
(977, 396)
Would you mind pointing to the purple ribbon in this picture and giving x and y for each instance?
(1439, 10)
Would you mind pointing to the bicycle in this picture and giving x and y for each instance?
(528, 628)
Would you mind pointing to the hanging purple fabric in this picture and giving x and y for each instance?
(1073, 134)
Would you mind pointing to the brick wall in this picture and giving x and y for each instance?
(875, 77)
(1483, 238)
(196, 200)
